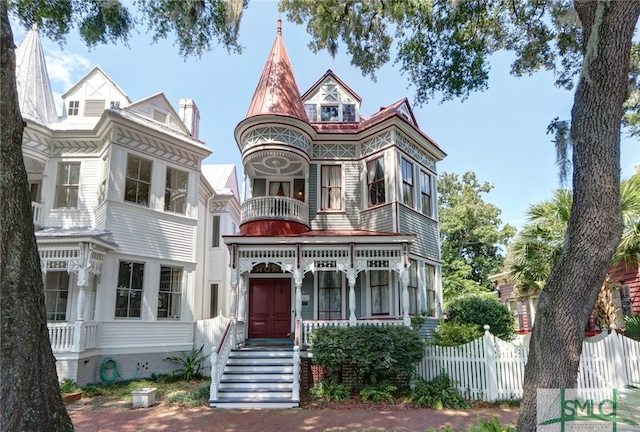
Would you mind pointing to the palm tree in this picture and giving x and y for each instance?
(534, 251)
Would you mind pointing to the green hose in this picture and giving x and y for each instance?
(106, 363)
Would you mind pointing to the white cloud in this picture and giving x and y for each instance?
(65, 68)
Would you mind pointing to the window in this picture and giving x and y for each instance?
(425, 193)
(281, 189)
(170, 294)
(379, 281)
(348, 112)
(430, 282)
(138, 180)
(67, 184)
(329, 113)
(407, 182)
(312, 111)
(331, 187)
(213, 301)
(129, 291)
(56, 293)
(215, 231)
(375, 182)
(413, 287)
(175, 192)
(329, 295)
(298, 189)
(74, 107)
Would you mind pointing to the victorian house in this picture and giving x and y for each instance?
(339, 221)
(121, 204)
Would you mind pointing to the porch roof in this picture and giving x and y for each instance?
(53, 236)
(323, 237)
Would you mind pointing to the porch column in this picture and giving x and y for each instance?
(404, 277)
(297, 280)
(83, 288)
(351, 278)
(234, 294)
(242, 299)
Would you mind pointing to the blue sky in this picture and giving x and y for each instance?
(500, 134)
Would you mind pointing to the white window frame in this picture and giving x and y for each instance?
(407, 199)
(168, 297)
(429, 182)
(138, 181)
(368, 184)
(54, 286)
(173, 192)
(128, 290)
(340, 186)
(65, 185)
(342, 295)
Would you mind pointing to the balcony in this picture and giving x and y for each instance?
(275, 208)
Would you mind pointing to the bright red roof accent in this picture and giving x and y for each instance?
(277, 91)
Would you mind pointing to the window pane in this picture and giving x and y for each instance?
(138, 180)
(129, 290)
(329, 113)
(175, 196)
(379, 281)
(67, 185)
(348, 112)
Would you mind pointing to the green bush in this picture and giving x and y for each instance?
(452, 334)
(632, 327)
(189, 363)
(382, 392)
(330, 391)
(67, 385)
(438, 393)
(482, 310)
(375, 353)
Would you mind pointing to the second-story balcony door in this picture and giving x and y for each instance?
(269, 308)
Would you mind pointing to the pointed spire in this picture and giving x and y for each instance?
(34, 89)
(277, 91)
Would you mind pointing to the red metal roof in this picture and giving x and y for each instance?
(277, 91)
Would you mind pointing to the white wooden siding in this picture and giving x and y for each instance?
(141, 335)
(147, 233)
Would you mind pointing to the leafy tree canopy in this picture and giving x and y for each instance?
(444, 46)
(196, 25)
(471, 233)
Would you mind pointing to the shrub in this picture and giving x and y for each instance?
(452, 334)
(382, 392)
(330, 391)
(632, 327)
(189, 363)
(482, 310)
(438, 393)
(190, 399)
(67, 385)
(375, 353)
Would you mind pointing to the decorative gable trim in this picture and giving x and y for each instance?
(335, 151)
(156, 147)
(414, 151)
(376, 143)
(35, 142)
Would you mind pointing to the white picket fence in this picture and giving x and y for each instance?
(491, 369)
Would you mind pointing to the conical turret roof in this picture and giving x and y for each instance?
(277, 91)
(34, 89)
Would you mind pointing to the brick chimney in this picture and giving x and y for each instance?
(190, 116)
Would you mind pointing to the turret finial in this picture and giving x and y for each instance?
(279, 25)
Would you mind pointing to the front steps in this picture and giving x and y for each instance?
(257, 377)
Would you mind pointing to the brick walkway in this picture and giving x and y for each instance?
(207, 419)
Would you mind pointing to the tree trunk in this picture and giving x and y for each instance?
(30, 397)
(595, 224)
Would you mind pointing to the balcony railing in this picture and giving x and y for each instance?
(275, 207)
(309, 326)
(73, 337)
(37, 214)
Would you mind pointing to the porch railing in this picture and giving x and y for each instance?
(219, 358)
(76, 337)
(309, 326)
(275, 207)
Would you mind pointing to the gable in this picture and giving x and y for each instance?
(159, 109)
(94, 93)
(330, 100)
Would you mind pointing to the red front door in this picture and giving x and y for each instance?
(269, 308)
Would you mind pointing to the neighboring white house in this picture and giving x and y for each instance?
(122, 209)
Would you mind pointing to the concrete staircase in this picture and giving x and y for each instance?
(257, 377)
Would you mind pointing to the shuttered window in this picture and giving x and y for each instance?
(94, 108)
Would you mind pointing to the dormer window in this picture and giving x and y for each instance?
(329, 113)
(74, 107)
